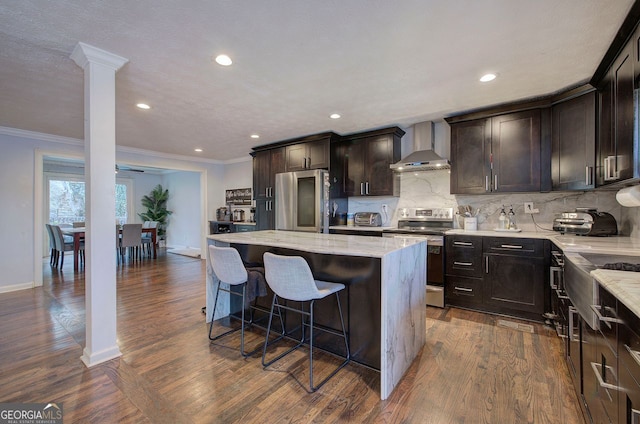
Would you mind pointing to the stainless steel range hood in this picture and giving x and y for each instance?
(423, 158)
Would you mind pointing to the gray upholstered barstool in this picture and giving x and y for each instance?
(290, 278)
(228, 267)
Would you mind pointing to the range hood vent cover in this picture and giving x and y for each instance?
(423, 158)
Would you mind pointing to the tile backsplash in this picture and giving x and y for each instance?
(431, 189)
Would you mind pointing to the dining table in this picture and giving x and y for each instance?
(78, 234)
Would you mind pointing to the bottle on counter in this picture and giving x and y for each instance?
(350, 220)
(512, 219)
(503, 221)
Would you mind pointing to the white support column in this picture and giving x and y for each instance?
(100, 185)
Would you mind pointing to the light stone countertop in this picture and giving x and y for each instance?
(624, 285)
(336, 244)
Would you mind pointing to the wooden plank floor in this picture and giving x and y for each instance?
(470, 371)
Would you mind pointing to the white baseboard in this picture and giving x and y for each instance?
(16, 287)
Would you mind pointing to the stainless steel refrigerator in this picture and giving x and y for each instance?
(302, 201)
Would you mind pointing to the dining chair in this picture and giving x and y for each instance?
(229, 268)
(147, 239)
(63, 244)
(131, 236)
(291, 279)
(52, 244)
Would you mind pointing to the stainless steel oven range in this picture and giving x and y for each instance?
(429, 224)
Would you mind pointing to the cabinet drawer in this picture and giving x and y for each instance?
(514, 246)
(463, 289)
(608, 317)
(464, 256)
(629, 340)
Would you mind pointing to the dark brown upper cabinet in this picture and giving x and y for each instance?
(309, 155)
(614, 149)
(501, 153)
(360, 163)
(573, 139)
(266, 164)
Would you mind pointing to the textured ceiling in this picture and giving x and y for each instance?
(377, 63)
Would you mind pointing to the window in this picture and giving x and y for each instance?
(66, 201)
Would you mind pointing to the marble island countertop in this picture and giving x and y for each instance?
(624, 285)
(337, 244)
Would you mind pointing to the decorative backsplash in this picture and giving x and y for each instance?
(431, 189)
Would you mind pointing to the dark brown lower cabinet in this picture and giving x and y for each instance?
(503, 275)
(513, 284)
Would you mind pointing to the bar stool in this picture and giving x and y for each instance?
(290, 278)
(228, 267)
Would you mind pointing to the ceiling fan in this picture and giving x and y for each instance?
(128, 169)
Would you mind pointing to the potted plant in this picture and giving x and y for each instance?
(156, 204)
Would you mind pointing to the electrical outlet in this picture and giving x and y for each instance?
(528, 208)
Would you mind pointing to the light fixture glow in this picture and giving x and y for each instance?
(143, 106)
(255, 136)
(487, 77)
(334, 116)
(223, 60)
(197, 150)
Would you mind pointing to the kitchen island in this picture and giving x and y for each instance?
(385, 290)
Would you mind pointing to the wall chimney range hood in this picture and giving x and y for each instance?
(423, 158)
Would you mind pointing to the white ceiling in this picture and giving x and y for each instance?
(377, 63)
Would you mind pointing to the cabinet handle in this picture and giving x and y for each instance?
(462, 243)
(560, 295)
(511, 246)
(495, 182)
(634, 354)
(304, 163)
(366, 187)
(553, 270)
(596, 309)
(463, 263)
(361, 189)
(611, 172)
(601, 382)
(572, 312)
(588, 176)
(464, 289)
(309, 162)
(486, 183)
(486, 264)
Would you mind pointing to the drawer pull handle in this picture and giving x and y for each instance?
(463, 263)
(599, 377)
(464, 289)
(510, 246)
(596, 310)
(561, 296)
(634, 354)
(462, 243)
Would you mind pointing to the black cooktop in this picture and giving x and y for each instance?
(622, 266)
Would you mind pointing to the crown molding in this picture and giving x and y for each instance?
(16, 132)
(83, 54)
(33, 135)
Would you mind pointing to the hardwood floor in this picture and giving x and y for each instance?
(470, 371)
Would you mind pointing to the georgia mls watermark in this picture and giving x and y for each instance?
(30, 413)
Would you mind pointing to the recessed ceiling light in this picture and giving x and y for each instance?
(334, 116)
(198, 150)
(143, 106)
(487, 77)
(255, 136)
(223, 60)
